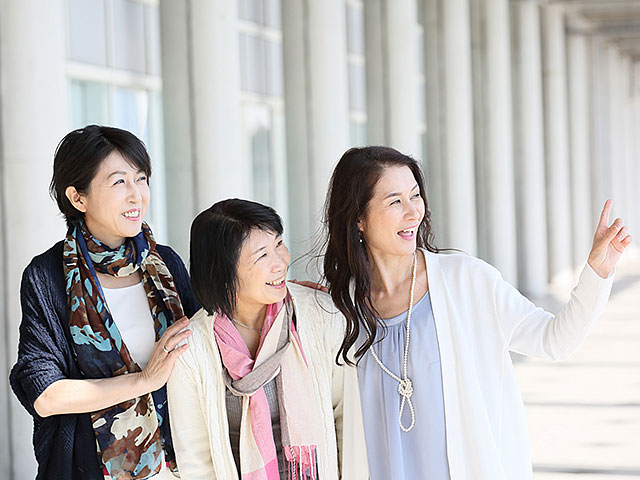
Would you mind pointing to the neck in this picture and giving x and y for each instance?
(111, 241)
(389, 272)
(251, 315)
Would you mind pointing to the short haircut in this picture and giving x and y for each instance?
(217, 235)
(79, 156)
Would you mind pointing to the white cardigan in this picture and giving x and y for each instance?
(479, 318)
(197, 407)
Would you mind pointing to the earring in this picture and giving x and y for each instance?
(360, 236)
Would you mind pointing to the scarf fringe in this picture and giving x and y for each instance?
(301, 462)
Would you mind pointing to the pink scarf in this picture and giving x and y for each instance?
(279, 355)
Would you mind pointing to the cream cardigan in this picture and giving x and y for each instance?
(479, 318)
(197, 408)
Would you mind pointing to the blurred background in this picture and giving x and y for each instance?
(524, 113)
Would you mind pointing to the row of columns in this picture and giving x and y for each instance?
(34, 119)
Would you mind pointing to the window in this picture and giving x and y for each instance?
(262, 99)
(356, 72)
(113, 66)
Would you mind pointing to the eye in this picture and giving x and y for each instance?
(416, 195)
(142, 178)
(280, 243)
(395, 202)
(117, 182)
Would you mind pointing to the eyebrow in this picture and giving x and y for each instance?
(396, 194)
(122, 172)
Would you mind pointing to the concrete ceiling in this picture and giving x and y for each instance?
(617, 20)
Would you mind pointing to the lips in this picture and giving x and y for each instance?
(408, 233)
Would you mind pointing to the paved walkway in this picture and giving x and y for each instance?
(584, 413)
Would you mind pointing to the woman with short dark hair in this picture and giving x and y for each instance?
(103, 317)
(258, 394)
(432, 332)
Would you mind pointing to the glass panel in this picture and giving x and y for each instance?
(252, 64)
(154, 66)
(257, 123)
(420, 49)
(87, 31)
(357, 133)
(357, 88)
(355, 30)
(422, 110)
(129, 36)
(251, 11)
(275, 74)
(273, 14)
(89, 103)
(131, 112)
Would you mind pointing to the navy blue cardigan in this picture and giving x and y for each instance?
(65, 445)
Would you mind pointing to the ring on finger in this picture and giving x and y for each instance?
(165, 350)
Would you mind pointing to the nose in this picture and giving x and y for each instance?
(133, 192)
(412, 212)
(280, 263)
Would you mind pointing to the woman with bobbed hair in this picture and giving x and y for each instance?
(432, 332)
(258, 394)
(103, 315)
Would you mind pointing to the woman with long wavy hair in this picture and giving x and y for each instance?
(432, 332)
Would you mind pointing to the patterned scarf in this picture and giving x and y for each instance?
(279, 355)
(132, 434)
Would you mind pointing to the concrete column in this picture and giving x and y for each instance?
(615, 162)
(433, 67)
(529, 148)
(33, 90)
(583, 222)
(556, 143)
(635, 149)
(316, 107)
(494, 154)
(392, 91)
(201, 110)
(450, 81)
(628, 185)
(600, 138)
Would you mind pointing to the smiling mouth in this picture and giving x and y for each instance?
(132, 214)
(408, 232)
(276, 283)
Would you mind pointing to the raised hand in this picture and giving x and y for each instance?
(608, 243)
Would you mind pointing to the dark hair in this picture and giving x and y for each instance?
(346, 259)
(79, 155)
(217, 235)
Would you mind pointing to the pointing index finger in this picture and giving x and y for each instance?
(604, 216)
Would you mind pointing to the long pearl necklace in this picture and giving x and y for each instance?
(405, 387)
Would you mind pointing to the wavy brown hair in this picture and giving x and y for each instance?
(346, 261)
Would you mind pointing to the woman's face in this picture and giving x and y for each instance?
(394, 213)
(262, 269)
(116, 202)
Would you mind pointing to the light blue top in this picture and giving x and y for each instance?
(422, 452)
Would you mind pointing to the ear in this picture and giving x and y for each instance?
(360, 225)
(76, 199)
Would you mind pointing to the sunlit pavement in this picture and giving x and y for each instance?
(584, 413)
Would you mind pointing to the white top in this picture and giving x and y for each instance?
(130, 310)
(197, 399)
(479, 318)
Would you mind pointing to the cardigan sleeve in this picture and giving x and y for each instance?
(41, 360)
(188, 424)
(532, 331)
